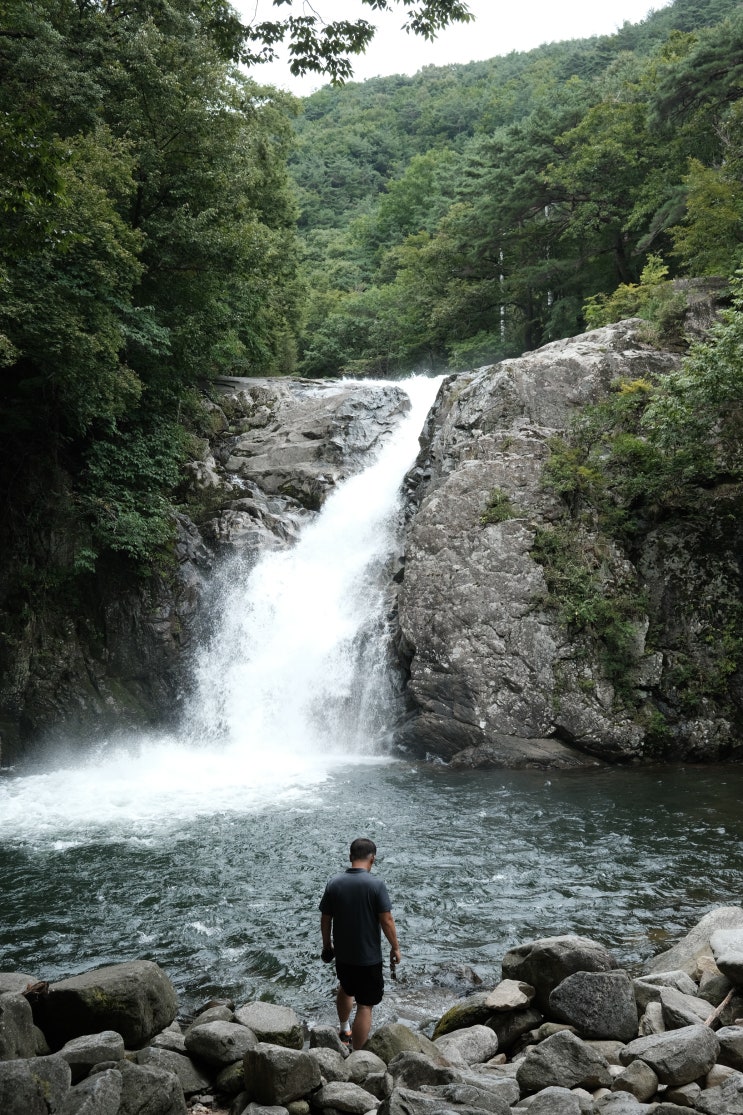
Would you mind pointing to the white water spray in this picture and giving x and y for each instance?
(293, 681)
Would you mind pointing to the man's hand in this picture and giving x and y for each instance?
(395, 955)
(327, 954)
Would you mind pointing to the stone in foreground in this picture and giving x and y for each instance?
(273, 1024)
(677, 1057)
(563, 1061)
(545, 963)
(601, 1005)
(276, 1075)
(33, 1086)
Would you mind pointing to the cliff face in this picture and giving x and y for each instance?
(495, 675)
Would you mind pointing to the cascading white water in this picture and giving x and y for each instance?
(293, 681)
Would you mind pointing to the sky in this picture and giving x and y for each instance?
(500, 26)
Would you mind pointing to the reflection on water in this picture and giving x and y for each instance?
(475, 862)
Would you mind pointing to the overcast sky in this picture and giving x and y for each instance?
(500, 26)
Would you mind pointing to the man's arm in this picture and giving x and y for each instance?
(387, 922)
(326, 922)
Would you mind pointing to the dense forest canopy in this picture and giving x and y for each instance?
(167, 219)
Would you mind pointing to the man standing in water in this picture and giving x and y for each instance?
(355, 907)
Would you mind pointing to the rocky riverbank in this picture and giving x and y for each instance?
(565, 1032)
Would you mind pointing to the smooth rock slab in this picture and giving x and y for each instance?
(470, 1046)
(563, 1061)
(272, 1024)
(17, 1035)
(344, 1096)
(694, 949)
(276, 1075)
(396, 1038)
(98, 1095)
(545, 963)
(599, 1004)
(136, 999)
(220, 1043)
(678, 1057)
(33, 1086)
(510, 994)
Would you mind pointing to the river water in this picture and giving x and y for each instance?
(207, 851)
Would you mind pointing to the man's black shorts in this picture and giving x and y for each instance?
(364, 982)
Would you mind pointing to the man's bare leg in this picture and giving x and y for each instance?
(344, 1006)
(361, 1026)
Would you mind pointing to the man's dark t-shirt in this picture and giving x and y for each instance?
(355, 900)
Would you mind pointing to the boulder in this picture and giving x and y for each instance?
(17, 1035)
(695, 947)
(220, 1012)
(33, 1086)
(682, 1010)
(15, 981)
(272, 1024)
(405, 1101)
(599, 1004)
(396, 1038)
(609, 1050)
(621, 1103)
(510, 1026)
(98, 1095)
(685, 1096)
(510, 994)
(545, 963)
(725, 1100)
(677, 1057)
(81, 1054)
(231, 1080)
(276, 1075)
(652, 1021)
(727, 949)
(326, 1037)
(562, 1061)
(469, 1095)
(219, 1043)
(647, 989)
(413, 1070)
(148, 1090)
(191, 1079)
(472, 1011)
(555, 1101)
(469, 1046)
(362, 1063)
(332, 1064)
(136, 999)
(731, 1047)
(170, 1038)
(345, 1096)
(638, 1079)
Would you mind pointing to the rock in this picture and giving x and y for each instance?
(718, 1074)
(332, 1064)
(219, 1043)
(609, 1050)
(412, 1070)
(98, 1095)
(15, 981)
(509, 1027)
(555, 1101)
(562, 1061)
(652, 1021)
(326, 1037)
(17, 1036)
(731, 1047)
(33, 1086)
(472, 1011)
(714, 987)
(262, 1109)
(217, 1013)
(469, 1046)
(396, 1038)
(725, 1100)
(273, 1024)
(647, 989)
(362, 1063)
(695, 946)
(686, 1096)
(231, 1080)
(545, 963)
(727, 949)
(638, 1079)
(148, 1090)
(81, 1054)
(276, 1075)
(170, 1038)
(380, 1084)
(620, 1103)
(510, 995)
(598, 1004)
(468, 1095)
(682, 1010)
(677, 1057)
(136, 999)
(345, 1096)
(191, 1080)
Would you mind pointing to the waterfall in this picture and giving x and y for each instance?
(293, 680)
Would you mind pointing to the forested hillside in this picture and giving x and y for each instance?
(470, 212)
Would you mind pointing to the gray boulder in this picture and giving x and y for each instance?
(170, 1038)
(510, 995)
(345, 1096)
(472, 1011)
(695, 946)
(555, 1101)
(191, 1080)
(148, 1090)
(332, 1064)
(545, 963)
(648, 988)
(362, 1063)
(81, 1054)
(469, 1046)
(219, 1043)
(17, 1035)
(677, 1057)
(33, 1086)
(725, 1100)
(638, 1079)
(405, 1101)
(682, 1010)
(727, 949)
(685, 1096)
(731, 1047)
(510, 1026)
(413, 1070)
(326, 1037)
(562, 1061)
(599, 1004)
(98, 1095)
(396, 1038)
(652, 1021)
(15, 981)
(469, 1095)
(220, 1012)
(231, 1080)
(276, 1075)
(272, 1024)
(621, 1103)
(135, 999)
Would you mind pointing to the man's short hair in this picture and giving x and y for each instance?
(363, 848)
